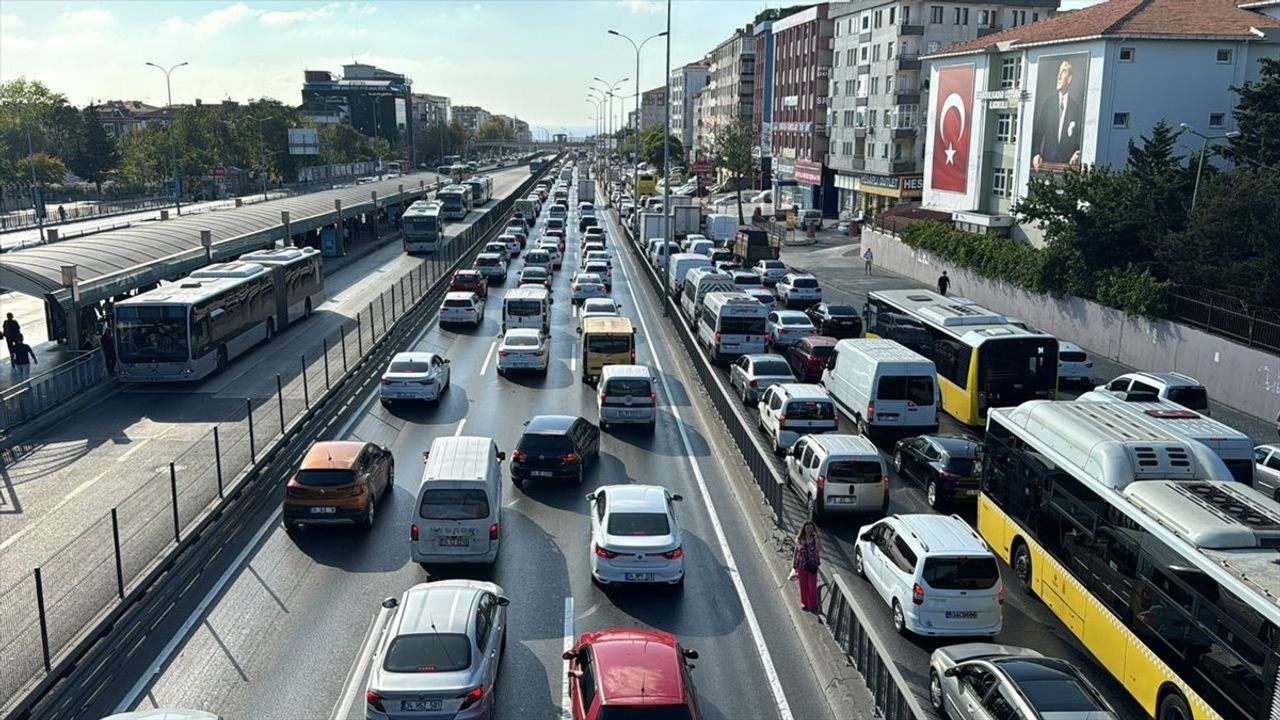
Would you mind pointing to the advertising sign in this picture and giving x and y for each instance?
(953, 128)
(808, 173)
(1058, 122)
(303, 141)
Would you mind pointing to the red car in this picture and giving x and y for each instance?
(469, 281)
(808, 357)
(631, 671)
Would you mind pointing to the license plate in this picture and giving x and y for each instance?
(628, 413)
(323, 510)
(962, 614)
(420, 705)
(886, 416)
(540, 473)
(455, 542)
(972, 492)
(638, 577)
(840, 500)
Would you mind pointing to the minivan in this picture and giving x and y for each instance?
(731, 324)
(887, 389)
(791, 410)
(628, 396)
(528, 306)
(838, 473)
(697, 284)
(605, 341)
(678, 269)
(458, 516)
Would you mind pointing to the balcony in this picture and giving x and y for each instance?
(860, 101)
(864, 38)
(908, 62)
(860, 131)
(906, 98)
(903, 166)
(911, 30)
(865, 69)
(903, 132)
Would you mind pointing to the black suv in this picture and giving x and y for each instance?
(837, 321)
(587, 221)
(554, 447)
(944, 465)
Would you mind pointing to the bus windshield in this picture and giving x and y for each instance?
(152, 333)
(1014, 370)
(420, 225)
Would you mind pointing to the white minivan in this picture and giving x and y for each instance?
(628, 396)
(697, 284)
(528, 306)
(838, 473)
(678, 269)
(790, 411)
(458, 510)
(731, 324)
(887, 389)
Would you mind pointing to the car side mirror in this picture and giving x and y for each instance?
(677, 498)
(591, 496)
(568, 655)
(501, 456)
(425, 455)
(390, 603)
(690, 654)
(865, 537)
(951, 671)
(504, 601)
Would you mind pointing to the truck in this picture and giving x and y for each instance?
(685, 220)
(586, 189)
(651, 226)
(752, 244)
(527, 210)
(721, 227)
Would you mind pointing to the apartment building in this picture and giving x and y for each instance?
(431, 109)
(653, 107)
(879, 86)
(730, 91)
(686, 82)
(798, 141)
(700, 149)
(470, 117)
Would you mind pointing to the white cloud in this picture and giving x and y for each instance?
(87, 18)
(362, 8)
(9, 21)
(212, 22)
(638, 6)
(290, 17)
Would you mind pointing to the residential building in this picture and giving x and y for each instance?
(431, 109)
(374, 101)
(471, 117)
(1073, 91)
(653, 107)
(701, 142)
(762, 104)
(521, 130)
(119, 117)
(731, 82)
(879, 87)
(686, 81)
(798, 141)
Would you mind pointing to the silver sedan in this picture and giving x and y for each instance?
(751, 375)
(978, 680)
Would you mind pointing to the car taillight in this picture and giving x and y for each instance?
(717, 337)
(674, 554)
(813, 361)
(821, 482)
(413, 531)
(884, 482)
(384, 381)
(917, 594)
(602, 396)
(472, 697)
(948, 474)
(871, 413)
(1000, 595)
(751, 383)
(633, 356)
(494, 529)
(570, 457)
(426, 382)
(519, 455)
(782, 421)
(606, 554)
(374, 700)
(653, 397)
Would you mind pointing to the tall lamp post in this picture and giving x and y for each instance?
(635, 168)
(173, 141)
(666, 156)
(1204, 150)
(609, 93)
(598, 102)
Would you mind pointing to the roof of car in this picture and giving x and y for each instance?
(490, 256)
(1069, 347)
(523, 332)
(459, 295)
(332, 455)
(637, 666)
(942, 534)
(1172, 379)
(804, 391)
(793, 316)
(636, 498)
(844, 443)
(438, 608)
(956, 443)
(819, 341)
(549, 424)
(1270, 446)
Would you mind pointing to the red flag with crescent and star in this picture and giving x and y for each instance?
(952, 128)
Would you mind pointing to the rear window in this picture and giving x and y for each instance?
(821, 352)
(771, 367)
(916, 388)
(428, 654)
(961, 573)
(638, 524)
(810, 410)
(962, 465)
(554, 224)
(457, 303)
(324, 478)
(804, 283)
(841, 310)
(772, 264)
(1195, 398)
(1072, 356)
(487, 260)
(467, 276)
(454, 504)
(521, 341)
(523, 308)
(649, 712)
(414, 366)
(860, 472)
(629, 387)
(746, 279)
(609, 344)
(546, 444)
(741, 326)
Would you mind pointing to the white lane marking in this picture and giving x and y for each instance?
(358, 668)
(573, 363)
(565, 711)
(766, 659)
(56, 507)
(461, 425)
(484, 367)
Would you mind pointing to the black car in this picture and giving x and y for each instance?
(837, 321)
(587, 221)
(944, 465)
(556, 447)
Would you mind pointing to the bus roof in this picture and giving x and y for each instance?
(191, 290)
(281, 256)
(423, 207)
(455, 188)
(961, 317)
(1174, 418)
(527, 292)
(606, 325)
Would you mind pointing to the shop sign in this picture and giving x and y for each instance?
(913, 183)
(808, 173)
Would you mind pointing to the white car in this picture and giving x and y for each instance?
(635, 536)
(726, 200)
(690, 239)
(743, 279)
(1074, 364)
(513, 244)
(588, 285)
(1174, 387)
(524, 349)
(596, 253)
(539, 257)
(785, 327)
(552, 246)
(764, 295)
(598, 307)
(788, 411)
(414, 376)
(464, 308)
(601, 268)
(800, 288)
(499, 247)
(492, 266)
(770, 271)
(752, 374)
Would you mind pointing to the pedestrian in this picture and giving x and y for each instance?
(805, 562)
(944, 282)
(22, 358)
(867, 258)
(62, 214)
(11, 332)
(108, 342)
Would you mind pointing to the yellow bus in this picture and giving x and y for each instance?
(983, 360)
(1162, 566)
(606, 341)
(646, 184)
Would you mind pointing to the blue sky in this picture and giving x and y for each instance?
(530, 58)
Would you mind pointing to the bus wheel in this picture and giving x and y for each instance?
(306, 308)
(1173, 707)
(1022, 567)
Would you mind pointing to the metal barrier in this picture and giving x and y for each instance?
(33, 397)
(1226, 316)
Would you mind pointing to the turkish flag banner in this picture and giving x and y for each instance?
(952, 127)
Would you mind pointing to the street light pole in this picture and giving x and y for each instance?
(666, 159)
(173, 142)
(1204, 150)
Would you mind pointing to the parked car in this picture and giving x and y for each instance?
(944, 466)
(554, 447)
(982, 680)
(635, 536)
(838, 321)
(751, 375)
(339, 482)
(631, 673)
(414, 376)
(808, 357)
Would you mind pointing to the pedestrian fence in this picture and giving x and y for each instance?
(1226, 316)
(35, 396)
(21, 219)
(46, 611)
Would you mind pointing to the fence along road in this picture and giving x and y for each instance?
(60, 491)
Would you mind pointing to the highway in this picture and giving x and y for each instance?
(56, 496)
(289, 637)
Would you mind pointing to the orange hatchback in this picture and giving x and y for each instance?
(338, 484)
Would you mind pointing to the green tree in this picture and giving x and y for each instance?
(96, 154)
(1257, 114)
(49, 170)
(731, 151)
(27, 110)
(144, 155)
(495, 128)
(1164, 183)
(347, 143)
(651, 148)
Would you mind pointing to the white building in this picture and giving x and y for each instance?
(730, 91)
(686, 81)
(1076, 89)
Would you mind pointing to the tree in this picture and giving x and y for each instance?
(1257, 114)
(96, 154)
(1165, 185)
(49, 170)
(731, 151)
(27, 108)
(495, 129)
(347, 142)
(651, 148)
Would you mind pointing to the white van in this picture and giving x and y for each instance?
(888, 389)
(458, 516)
(838, 473)
(527, 307)
(679, 266)
(731, 324)
(699, 282)
(628, 396)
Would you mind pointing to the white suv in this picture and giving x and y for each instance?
(791, 410)
(935, 573)
(798, 288)
(1174, 387)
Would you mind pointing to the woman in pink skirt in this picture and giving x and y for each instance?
(808, 556)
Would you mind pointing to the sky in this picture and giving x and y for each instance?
(533, 59)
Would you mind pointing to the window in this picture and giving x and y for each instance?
(892, 11)
(888, 84)
(1224, 55)
(932, 46)
(878, 17)
(1004, 127)
(860, 118)
(846, 148)
(1017, 17)
(872, 118)
(889, 54)
(848, 56)
(906, 15)
(1000, 181)
(888, 121)
(1035, 17)
(848, 119)
(836, 60)
(864, 53)
(1120, 120)
(875, 86)
(964, 16)
(1216, 120)
(957, 16)
(851, 87)
(884, 151)
(875, 53)
(1010, 70)
(587, 681)
(935, 14)
(866, 22)
(1126, 54)
(903, 556)
(984, 18)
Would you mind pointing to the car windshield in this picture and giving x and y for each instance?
(434, 653)
(961, 572)
(521, 341)
(648, 712)
(467, 277)
(324, 478)
(416, 366)
(488, 260)
(454, 504)
(623, 387)
(538, 256)
(151, 333)
(534, 273)
(598, 306)
(771, 367)
(457, 303)
(1190, 397)
(638, 524)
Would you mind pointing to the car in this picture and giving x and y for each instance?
(1074, 365)
(598, 307)
(689, 240)
(631, 673)
(985, 680)
(935, 573)
(788, 411)
(837, 321)
(944, 466)
(770, 271)
(592, 246)
(414, 376)
(469, 281)
(809, 218)
(514, 246)
(798, 288)
(587, 221)
(439, 653)
(601, 268)
(838, 473)
(764, 196)
(594, 232)
(499, 247)
(493, 266)
(593, 253)
(587, 285)
(783, 328)
(808, 357)
(752, 374)
(1266, 459)
(764, 295)
(524, 349)
(537, 257)
(338, 482)
(462, 307)
(534, 275)
(553, 248)
(635, 536)
(519, 231)
(725, 200)
(1174, 387)
(744, 279)
(555, 447)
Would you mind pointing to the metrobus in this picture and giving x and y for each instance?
(452, 173)
(1140, 542)
(646, 184)
(423, 226)
(455, 202)
(481, 189)
(983, 360)
(452, 159)
(299, 278)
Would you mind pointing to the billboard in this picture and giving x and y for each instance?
(303, 141)
(953, 128)
(1058, 122)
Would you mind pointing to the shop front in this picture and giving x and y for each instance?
(871, 194)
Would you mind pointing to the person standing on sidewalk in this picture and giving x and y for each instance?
(11, 332)
(944, 282)
(867, 258)
(805, 562)
(22, 357)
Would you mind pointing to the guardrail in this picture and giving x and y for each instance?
(54, 616)
(32, 397)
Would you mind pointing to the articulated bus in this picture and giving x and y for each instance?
(983, 361)
(192, 328)
(455, 202)
(481, 189)
(1141, 543)
(423, 226)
